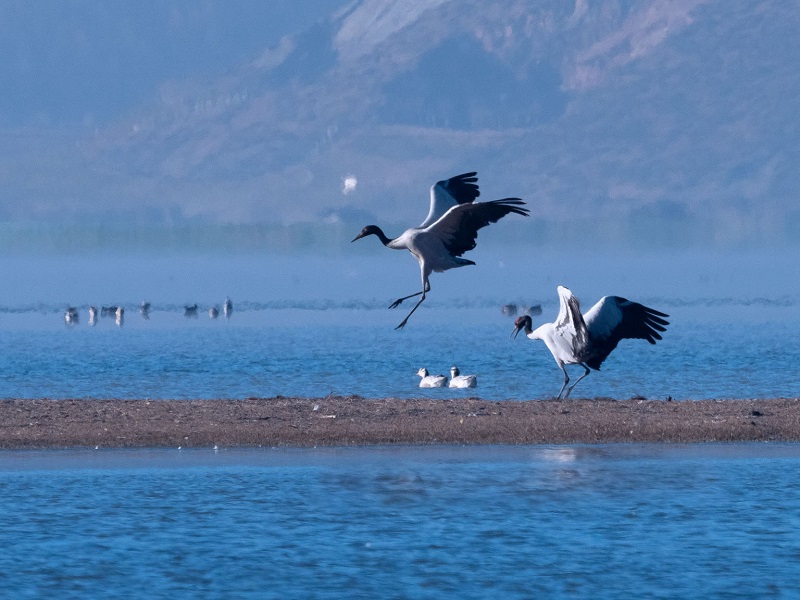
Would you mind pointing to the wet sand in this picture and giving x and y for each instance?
(357, 421)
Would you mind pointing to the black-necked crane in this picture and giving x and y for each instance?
(587, 340)
(431, 381)
(457, 380)
(449, 230)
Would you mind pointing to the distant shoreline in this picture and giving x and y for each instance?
(356, 421)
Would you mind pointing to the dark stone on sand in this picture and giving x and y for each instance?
(357, 421)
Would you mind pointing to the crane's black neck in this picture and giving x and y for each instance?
(377, 232)
(527, 323)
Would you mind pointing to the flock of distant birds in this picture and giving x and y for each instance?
(450, 229)
(72, 316)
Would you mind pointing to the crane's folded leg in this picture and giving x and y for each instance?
(399, 301)
(426, 287)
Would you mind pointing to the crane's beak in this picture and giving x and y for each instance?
(517, 329)
(358, 237)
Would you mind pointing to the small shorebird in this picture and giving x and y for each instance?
(509, 310)
(587, 340)
(71, 316)
(431, 381)
(449, 230)
(457, 380)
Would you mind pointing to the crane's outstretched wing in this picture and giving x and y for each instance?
(613, 319)
(458, 227)
(569, 323)
(445, 194)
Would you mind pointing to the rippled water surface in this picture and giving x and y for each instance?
(286, 352)
(312, 326)
(635, 521)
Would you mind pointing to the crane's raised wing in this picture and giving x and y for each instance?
(569, 323)
(458, 227)
(613, 319)
(445, 194)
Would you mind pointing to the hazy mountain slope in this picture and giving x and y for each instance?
(669, 118)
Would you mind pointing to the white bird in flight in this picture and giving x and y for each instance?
(457, 380)
(449, 230)
(431, 381)
(587, 340)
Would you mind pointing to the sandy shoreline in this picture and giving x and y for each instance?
(352, 420)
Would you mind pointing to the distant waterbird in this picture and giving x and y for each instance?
(227, 308)
(144, 310)
(71, 316)
(190, 311)
(92, 316)
(457, 380)
(534, 310)
(509, 310)
(213, 312)
(431, 381)
(587, 340)
(449, 230)
(119, 316)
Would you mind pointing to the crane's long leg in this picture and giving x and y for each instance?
(399, 301)
(566, 381)
(426, 287)
(403, 324)
(579, 380)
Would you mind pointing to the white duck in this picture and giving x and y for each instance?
(431, 381)
(457, 380)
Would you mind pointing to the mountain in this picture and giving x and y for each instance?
(670, 122)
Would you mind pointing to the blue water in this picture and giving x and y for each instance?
(652, 521)
(313, 326)
(315, 353)
(630, 521)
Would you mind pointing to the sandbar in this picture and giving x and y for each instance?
(356, 421)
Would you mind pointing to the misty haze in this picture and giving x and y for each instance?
(183, 125)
